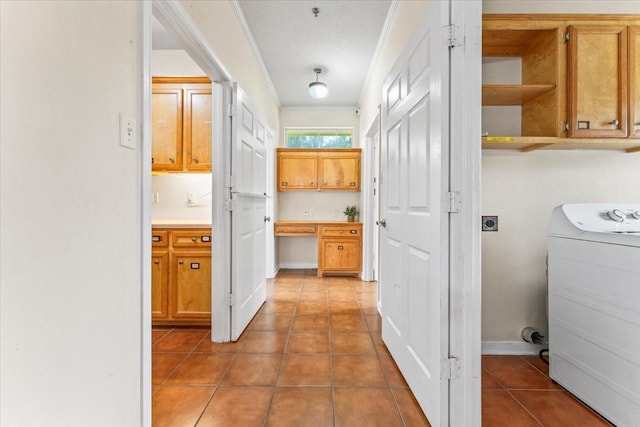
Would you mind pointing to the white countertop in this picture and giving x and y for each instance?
(181, 223)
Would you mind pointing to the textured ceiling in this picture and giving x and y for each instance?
(292, 42)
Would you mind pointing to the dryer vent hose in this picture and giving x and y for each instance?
(532, 335)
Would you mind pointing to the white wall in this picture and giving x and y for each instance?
(173, 63)
(301, 252)
(70, 211)
(522, 189)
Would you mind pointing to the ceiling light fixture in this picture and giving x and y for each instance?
(318, 90)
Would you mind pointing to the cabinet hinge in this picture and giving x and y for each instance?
(229, 205)
(453, 201)
(229, 181)
(451, 32)
(451, 368)
(231, 110)
(565, 127)
(229, 299)
(565, 37)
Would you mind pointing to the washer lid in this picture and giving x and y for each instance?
(616, 223)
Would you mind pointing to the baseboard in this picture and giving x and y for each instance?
(519, 348)
(275, 272)
(297, 265)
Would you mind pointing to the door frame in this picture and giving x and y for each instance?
(370, 265)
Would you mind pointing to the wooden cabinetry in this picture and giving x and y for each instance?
(181, 276)
(578, 81)
(598, 81)
(181, 124)
(322, 170)
(339, 249)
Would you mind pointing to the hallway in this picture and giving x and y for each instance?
(313, 356)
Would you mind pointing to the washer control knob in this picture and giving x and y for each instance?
(636, 214)
(617, 215)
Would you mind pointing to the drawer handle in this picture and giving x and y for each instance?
(352, 184)
(340, 247)
(156, 261)
(284, 184)
(205, 239)
(193, 239)
(353, 231)
(156, 238)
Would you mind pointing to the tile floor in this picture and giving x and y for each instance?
(313, 356)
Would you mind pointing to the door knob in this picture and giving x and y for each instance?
(382, 222)
(614, 122)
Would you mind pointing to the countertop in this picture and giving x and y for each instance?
(180, 223)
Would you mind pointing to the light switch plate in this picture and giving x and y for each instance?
(490, 223)
(127, 132)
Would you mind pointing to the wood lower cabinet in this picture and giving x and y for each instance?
(339, 249)
(181, 276)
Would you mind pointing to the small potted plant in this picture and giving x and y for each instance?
(351, 212)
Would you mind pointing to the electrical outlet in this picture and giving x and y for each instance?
(490, 223)
(310, 212)
(190, 198)
(156, 198)
(336, 213)
(306, 213)
(127, 132)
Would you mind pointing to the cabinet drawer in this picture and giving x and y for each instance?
(341, 231)
(191, 239)
(159, 239)
(295, 229)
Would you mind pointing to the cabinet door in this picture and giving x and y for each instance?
(598, 78)
(341, 255)
(159, 284)
(166, 128)
(190, 285)
(297, 170)
(339, 171)
(197, 129)
(634, 83)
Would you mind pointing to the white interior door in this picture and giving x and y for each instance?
(248, 192)
(414, 235)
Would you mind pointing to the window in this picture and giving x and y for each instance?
(318, 138)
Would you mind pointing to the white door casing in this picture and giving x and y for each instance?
(414, 238)
(248, 202)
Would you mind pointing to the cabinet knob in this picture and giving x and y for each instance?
(194, 160)
(180, 261)
(340, 247)
(193, 239)
(311, 183)
(156, 261)
(284, 183)
(614, 122)
(171, 160)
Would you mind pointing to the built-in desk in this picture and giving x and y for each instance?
(339, 243)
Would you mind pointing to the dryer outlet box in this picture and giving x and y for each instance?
(490, 223)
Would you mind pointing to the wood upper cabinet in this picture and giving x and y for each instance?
(297, 170)
(166, 128)
(634, 81)
(598, 81)
(339, 170)
(181, 113)
(321, 169)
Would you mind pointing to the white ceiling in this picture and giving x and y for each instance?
(292, 42)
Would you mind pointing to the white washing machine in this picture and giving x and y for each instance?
(594, 306)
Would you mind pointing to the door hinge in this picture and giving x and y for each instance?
(453, 201)
(231, 110)
(451, 368)
(229, 181)
(229, 299)
(229, 205)
(451, 33)
(565, 37)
